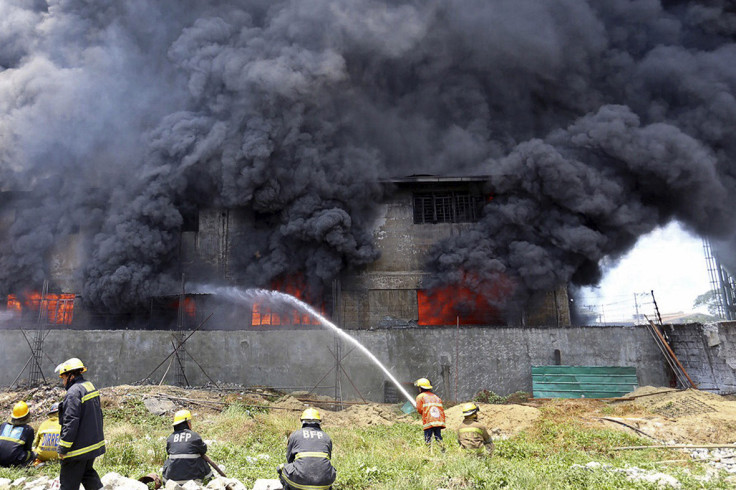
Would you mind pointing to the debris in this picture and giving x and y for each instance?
(634, 473)
(114, 481)
(675, 446)
(616, 421)
(266, 484)
(172, 485)
(225, 484)
(158, 406)
(151, 478)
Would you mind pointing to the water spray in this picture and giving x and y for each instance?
(251, 295)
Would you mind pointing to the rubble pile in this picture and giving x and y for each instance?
(39, 399)
(114, 481)
(720, 458)
(680, 416)
(633, 473)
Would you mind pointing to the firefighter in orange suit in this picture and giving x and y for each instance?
(81, 439)
(433, 413)
(472, 434)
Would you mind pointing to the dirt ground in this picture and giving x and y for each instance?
(501, 420)
(680, 416)
(666, 415)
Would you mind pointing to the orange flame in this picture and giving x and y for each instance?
(477, 306)
(57, 308)
(262, 314)
(190, 306)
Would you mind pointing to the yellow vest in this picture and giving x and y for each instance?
(47, 439)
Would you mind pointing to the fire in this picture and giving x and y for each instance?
(57, 308)
(14, 304)
(189, 306)
(262, 315)
(443, 306)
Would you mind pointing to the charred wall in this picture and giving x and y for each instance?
(384, 294)
(417, 213)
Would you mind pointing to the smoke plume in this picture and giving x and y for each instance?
(596, 122)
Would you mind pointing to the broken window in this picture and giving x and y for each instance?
(446, 207)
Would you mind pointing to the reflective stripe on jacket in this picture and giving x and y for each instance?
(185, 449)
(308, 456)
(80, 414)
(46, 444)
(430, 406)
(473, 435)
(16, 442)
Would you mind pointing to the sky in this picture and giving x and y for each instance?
(669, 260)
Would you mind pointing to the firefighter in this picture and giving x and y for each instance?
(46, 444)
(472, 434)
(186, 450)
(81, 439)
(308, 455)
(430, 407)
(16, 438)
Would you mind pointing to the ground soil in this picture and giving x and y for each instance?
(680, 416)
(500, 420)
(666, 415)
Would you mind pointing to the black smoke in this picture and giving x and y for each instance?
(596, 121)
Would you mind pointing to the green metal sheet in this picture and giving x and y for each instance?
(583, 381)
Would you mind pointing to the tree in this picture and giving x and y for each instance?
(710, 300)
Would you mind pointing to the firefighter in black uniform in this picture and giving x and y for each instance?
(16, 438)
(185, 449)
(308, 456)
(81, 439)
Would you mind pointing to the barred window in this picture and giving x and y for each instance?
(446, 207)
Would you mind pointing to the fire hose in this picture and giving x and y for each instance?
(213, 465)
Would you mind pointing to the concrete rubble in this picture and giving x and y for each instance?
(633, 473)
(720, 458)
(158, 406)
(114, 481)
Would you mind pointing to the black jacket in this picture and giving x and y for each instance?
(80, 415)
(308, 456)
(186, 448)
(16, 442)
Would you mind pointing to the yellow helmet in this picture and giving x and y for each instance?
(20, 411)
(70, 365)
(469, 409)
(310, 414)
(182, 416)
(423, 383)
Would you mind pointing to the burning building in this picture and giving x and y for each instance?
(417, 213)
(258, 143)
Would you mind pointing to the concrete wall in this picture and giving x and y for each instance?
(497, 359)
(708, 354)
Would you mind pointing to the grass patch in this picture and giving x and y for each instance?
(249, 443)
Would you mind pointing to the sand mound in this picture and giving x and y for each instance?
(371, 414)
(289, 402)
(504, 420)
(683, 416)
(679, 403)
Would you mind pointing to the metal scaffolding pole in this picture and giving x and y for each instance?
(180, 377)
(721, 283)
(36, 374)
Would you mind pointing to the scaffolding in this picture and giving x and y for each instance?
(53, 310)
(722, 284)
